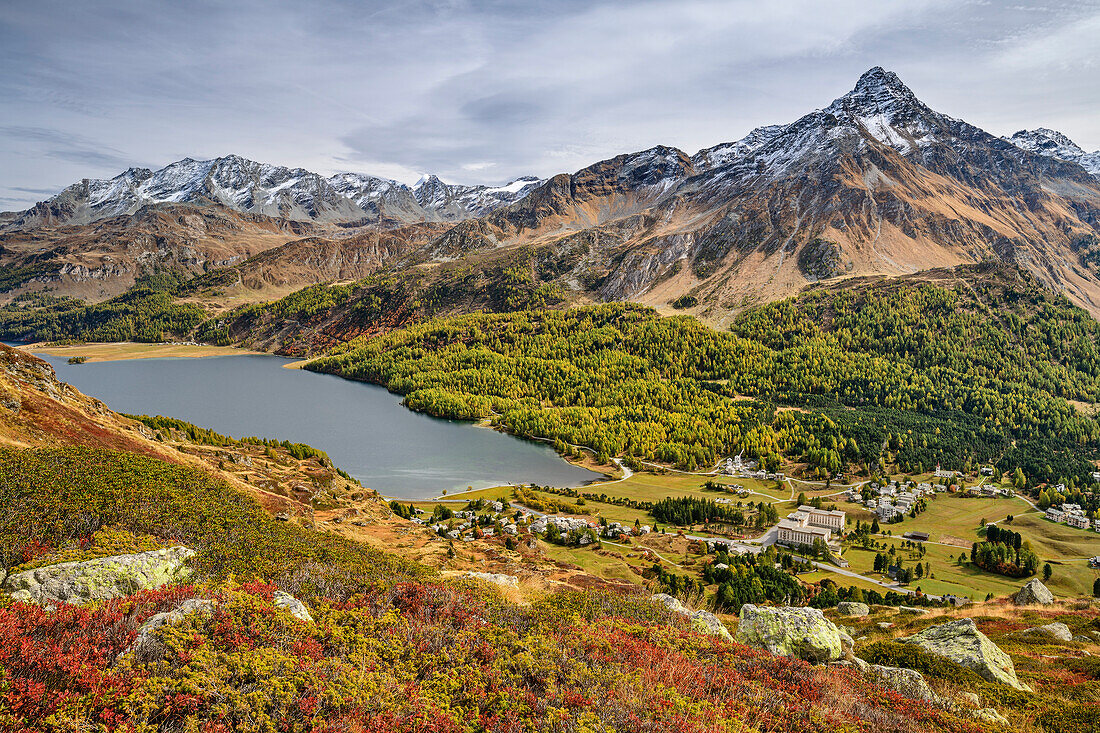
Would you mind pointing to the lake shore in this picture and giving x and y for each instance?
(128, 350)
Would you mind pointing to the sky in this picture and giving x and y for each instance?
(484, 91)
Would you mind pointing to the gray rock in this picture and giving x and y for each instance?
(847, 646)
(1056, 631)
(884, 625)
(1034, 593)
(961, 642)
(914, 610)
(852, 608)
(147, 645)
(702, 621)
(289, 603)
(989, 715)
(102, 578)
(791, 632)
(509, 581)
(906, 682)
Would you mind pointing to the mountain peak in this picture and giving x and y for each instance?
(1045, 140)
(1053, 144)
(878, 91)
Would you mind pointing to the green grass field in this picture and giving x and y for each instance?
(953, 515)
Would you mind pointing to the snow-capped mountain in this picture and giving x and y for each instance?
(261, 188)
(1054, 144)
(874, 182)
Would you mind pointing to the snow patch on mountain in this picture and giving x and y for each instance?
(293, 193)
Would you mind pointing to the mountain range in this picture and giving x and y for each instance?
(876, 182)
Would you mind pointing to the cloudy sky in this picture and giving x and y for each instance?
(482, 91)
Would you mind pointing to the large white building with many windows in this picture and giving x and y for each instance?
(806, 524)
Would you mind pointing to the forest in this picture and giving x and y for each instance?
(902, 374)
(141, 314)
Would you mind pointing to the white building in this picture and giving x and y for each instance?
(807, 524)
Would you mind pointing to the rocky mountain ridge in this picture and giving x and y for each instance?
(261, 188)
(876, 182)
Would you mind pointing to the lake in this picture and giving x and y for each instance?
(363, 428)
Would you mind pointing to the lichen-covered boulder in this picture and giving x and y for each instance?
(990, 715)
(147, 645)
(1056, 631)
(289, 603)
(852, 608)
(701, 621)
(962, 643)
(791, 632)
(906, 682)
(508, 581)
(101, 578)
(914, 610)
(1034, 593)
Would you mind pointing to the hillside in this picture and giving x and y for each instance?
(377, 641)
(976, 366)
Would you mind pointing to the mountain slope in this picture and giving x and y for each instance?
(876, 182)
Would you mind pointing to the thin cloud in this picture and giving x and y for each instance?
(483, 91)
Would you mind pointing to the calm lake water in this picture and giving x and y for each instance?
(364, 429)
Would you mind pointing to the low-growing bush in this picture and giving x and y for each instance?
(50, 499)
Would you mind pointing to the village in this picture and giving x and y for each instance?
(608, 527)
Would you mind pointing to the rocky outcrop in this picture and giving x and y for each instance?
(1034, 593)
(962, 643)
(791, 632)
(508, 581)
(289, 603)
(701, 621)
(147, 645)
(102, 578)
(1056, 631)
(852, 608)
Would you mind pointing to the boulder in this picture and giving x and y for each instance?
(704, 622)
(1056, 631)
(852, 608)
(990, 715)
(914, 610)
(906, 682)
(147, 646)
(961, 642)
(791, 632)
(289, 603)
(1034, 593)
(102, 578)
(509, 581)
(884, 625)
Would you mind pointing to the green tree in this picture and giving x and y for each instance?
(1047, 571)
(1018, 479)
